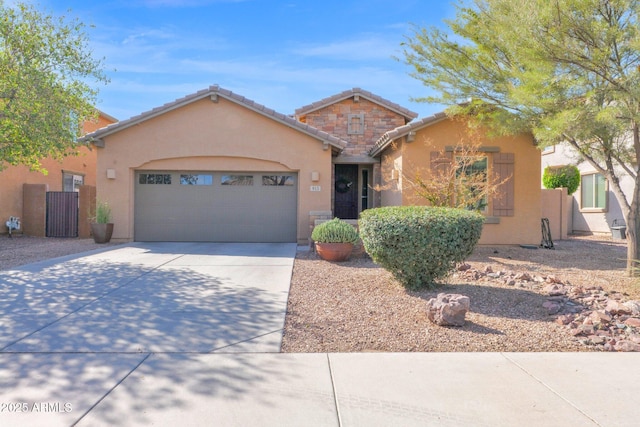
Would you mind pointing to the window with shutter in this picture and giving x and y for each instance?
(503, 170)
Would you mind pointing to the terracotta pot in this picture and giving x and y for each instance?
(101, 232)
(334, 251)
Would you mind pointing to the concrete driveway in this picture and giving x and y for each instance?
(72, 328)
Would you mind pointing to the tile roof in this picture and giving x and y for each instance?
(353, 92)
(388, 137)
(212, 91)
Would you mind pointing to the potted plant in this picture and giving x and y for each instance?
(101, 226)
(334, 239)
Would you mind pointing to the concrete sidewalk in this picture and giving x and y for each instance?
(189, 334)
(372, 389)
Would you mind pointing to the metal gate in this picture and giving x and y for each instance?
(62, 214)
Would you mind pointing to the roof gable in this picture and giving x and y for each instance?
(356, 92)
(214, 92)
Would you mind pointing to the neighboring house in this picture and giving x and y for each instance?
(65, 175)
(594, 205)
(215, 166)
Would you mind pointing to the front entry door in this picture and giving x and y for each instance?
(346, 192)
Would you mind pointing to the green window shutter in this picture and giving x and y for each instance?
(503, 171)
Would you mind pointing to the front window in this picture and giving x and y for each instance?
(594, 191)
(471, 185)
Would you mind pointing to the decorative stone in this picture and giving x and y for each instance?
(523, 275)
(634, 306)
(552, 307)
(564, 319)
(555, 290)
(599, 317)
(448, 309)
(634, 322)
(626, 346)
(616, 307)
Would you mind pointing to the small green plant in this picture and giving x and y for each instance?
(103, 213)
(419, 244)
(559, 177)
(335, 231)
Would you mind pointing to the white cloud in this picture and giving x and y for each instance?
(366, 47)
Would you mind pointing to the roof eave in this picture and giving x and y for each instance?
(393, 135)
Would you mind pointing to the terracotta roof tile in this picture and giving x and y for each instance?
(352, 92)
(224, 93)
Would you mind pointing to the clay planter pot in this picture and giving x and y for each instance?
(334, 251)
(101, 232)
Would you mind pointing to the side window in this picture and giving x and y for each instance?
(71, 182)
(593, 192)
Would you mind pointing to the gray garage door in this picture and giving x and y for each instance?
(215, 206)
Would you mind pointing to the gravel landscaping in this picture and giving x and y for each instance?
(357, 306)
(19, 250)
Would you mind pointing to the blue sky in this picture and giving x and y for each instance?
(283, 54)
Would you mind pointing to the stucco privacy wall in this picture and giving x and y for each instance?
(13, 177)
(208, 136)
(524, 226)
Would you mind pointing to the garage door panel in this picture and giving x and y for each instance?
(216, 212)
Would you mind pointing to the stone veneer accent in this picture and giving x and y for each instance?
(333, 119)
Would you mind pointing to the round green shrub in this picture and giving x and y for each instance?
(335, 231)
(419, 244)
(559, 177)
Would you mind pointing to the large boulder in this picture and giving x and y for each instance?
(448, 309)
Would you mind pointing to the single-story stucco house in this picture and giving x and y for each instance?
(215, 166)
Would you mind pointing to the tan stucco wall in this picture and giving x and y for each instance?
(524, 226)
(390, 169)
(13, 177)
(206, 136)
(556, 207)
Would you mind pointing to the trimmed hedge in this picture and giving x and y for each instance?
(419, 244)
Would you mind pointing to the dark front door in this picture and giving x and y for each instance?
(346, 192)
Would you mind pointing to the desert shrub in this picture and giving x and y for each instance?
(419, 244)
(335, 231)
(559, 177)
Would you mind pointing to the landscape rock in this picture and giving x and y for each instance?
(555, 290)
(594, 316)
(633, 322)
(616, 307)
(634, 306)
(448, 309)
(626, 346)
(552, 307)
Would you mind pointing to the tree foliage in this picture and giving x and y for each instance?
(46, 92)
(563, 176)
(566, 70)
